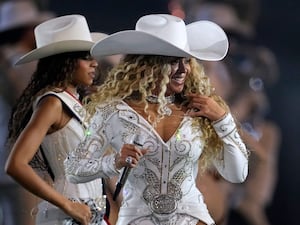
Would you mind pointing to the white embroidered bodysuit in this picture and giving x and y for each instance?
(56, 147)
(161, 189)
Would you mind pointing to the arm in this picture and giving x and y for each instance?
(234, 166)
(89, 161)
(45, 116)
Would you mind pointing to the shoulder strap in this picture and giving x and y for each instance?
(73, 104)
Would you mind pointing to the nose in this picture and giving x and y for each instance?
(94, 63)
(182, 67)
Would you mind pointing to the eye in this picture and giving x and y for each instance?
(186, 60)
(174, 62)
(87, 57)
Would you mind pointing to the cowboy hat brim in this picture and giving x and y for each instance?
(55, 48)
(139, 42)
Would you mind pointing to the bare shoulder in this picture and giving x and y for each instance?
(50, 102)
(49, 109)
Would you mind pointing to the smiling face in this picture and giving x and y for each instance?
(180, 68)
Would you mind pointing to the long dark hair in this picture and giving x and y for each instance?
(52, 73)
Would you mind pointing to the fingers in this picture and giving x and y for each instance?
(198, 102)
(195, 113)
(130, 155)
(128, 160)
(205, 106)
(85, 221)
(81, 213)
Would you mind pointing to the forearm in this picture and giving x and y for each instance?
(84, 170)
(32, 182)
(234, 166)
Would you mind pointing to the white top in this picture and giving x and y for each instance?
(56, 147)
(162, 186)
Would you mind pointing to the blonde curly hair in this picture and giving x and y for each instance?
(136, 76)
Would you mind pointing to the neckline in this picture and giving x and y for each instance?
(76, 97)
(151, 129)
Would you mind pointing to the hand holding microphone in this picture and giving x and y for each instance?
(137, 140)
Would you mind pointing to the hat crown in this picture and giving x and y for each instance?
(68, 33)
(167, 27)
(64, 28)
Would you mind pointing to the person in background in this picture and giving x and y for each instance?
(17, 21)
(216, 190)
(48, 121)
(251, 68)
(253, 73)
(159, 113)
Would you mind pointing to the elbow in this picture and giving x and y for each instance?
(240, 176)
(16, 168)
(11, 169)
(8, 170)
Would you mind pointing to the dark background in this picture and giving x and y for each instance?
(278, 28)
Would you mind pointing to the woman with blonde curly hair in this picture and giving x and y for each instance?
(159, 113)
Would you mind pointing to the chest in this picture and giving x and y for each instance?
(167, 126)
(173, 136)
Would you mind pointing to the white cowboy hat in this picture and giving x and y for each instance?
(14, 14)
(163, 34)
(62, 34)
(98, 36)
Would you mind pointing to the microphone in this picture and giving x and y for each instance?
(138, 140)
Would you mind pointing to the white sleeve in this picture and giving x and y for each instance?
(234, 166)
(87, 161)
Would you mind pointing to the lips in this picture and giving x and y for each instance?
(92, 75)
(178, 79)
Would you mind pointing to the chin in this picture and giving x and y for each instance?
(177, 90)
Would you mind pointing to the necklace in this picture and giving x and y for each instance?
(75, 96)
(166, 110)
(154, 99)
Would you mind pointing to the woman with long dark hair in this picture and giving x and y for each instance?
(48, 121)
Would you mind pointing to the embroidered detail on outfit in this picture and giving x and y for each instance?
(237, 140)
(226, 128)
(174, 219)
(223, 117)
(166, 203)
(160, 190)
